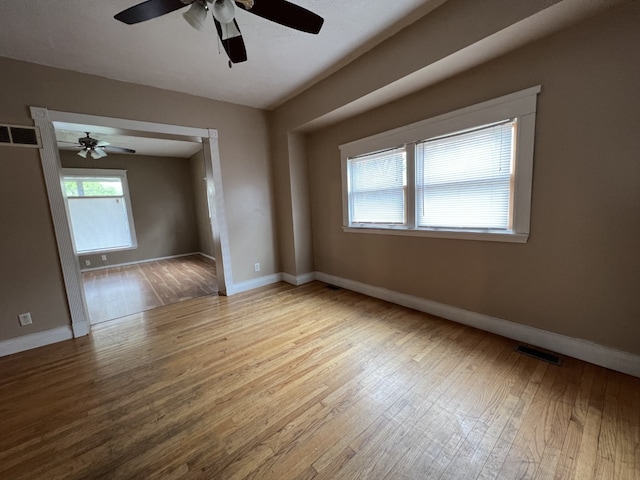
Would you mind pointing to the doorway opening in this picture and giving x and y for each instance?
(171, 143)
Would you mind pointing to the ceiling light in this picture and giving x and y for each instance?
(196, 16)
(224, 11)
(83, 153)
(97, 153)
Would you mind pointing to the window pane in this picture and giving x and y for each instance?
(377, 185)
(103, 187)
(70, 188)
(465, 180)
(93, 187)
(99, 223)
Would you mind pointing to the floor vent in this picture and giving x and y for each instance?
(16, 136)
(333, 287)
(539, 354)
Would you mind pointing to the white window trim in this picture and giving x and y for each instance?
(520, 105)
(102, 172)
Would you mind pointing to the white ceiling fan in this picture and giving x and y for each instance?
(97, 148)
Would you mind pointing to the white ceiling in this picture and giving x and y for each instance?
(166, 52)
(68, 134)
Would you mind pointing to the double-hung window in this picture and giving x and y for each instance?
(99, 210)
(378, 188)
(465, 175)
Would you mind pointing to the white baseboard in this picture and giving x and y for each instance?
(253, 283)
(80, 329)
(299, 279)
(147, 260)
(269, 279)
(206, 256)
(34, 340)
(618, 360)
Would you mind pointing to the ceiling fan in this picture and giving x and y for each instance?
(224, 16)
(96, 148)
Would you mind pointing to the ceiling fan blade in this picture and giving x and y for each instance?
(287, 14)
(102, 143)
(111, 148)
(232, 41)
(147, 10)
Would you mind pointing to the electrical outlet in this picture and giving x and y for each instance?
(257, 267)
(25, 319)
(87, 263)
(104, 258)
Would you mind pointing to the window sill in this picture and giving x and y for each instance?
(488, 236)
(106, 250)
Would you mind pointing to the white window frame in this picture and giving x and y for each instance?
(101, 172)
(518, 105)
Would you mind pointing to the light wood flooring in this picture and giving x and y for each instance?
(119, 291)
(308, 383)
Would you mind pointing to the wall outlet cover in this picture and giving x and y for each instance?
(25, 319)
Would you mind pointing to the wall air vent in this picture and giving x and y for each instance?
(18, 136)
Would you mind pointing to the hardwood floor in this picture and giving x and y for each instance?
(308, 383)
(119, 291)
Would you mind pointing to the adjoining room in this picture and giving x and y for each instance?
(139, 217)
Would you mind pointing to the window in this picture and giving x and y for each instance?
(99, 210)
(466, 174)
(378, 187)
(464, 180)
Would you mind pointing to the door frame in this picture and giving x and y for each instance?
(51, 167)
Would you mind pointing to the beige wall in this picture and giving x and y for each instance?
(579, 274)
(449, 29)
(162, 203)
(31, 276)
(198, 177)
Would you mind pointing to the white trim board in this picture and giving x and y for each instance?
(299, 279)
(607, 357)
(519, 106)
(44, 119)
(254, 283)
(497, 109)
(35, 340)
(147, 260)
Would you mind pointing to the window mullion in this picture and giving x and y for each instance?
(410, 150)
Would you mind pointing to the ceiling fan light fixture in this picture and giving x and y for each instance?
(83, 153)
(97, 153)
(224, 11)
(196, 16)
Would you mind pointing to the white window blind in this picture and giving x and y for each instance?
(465, 180)
(99, 217)
(377, 186)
